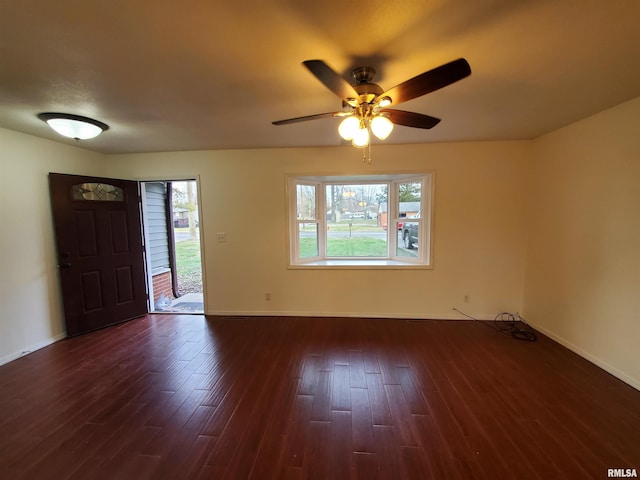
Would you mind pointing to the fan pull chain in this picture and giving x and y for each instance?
(366, 154)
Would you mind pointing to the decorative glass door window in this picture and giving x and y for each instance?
(97, 191)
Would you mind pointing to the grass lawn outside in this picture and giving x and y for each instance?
(346, 247)
(351, 247)
(356, 246)
(189, 267)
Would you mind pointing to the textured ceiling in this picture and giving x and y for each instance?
(202, 74)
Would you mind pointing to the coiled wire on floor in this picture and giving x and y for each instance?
(508, 324)
(513, 324)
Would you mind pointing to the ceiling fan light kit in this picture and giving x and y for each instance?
(348, 127)
(361, 137)
(74, 126)
(356, 128)
(381, 126)
(365, 102)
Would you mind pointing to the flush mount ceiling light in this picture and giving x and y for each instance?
(74, 126)
(364, 103)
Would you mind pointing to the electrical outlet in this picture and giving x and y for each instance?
(267, 296)
(466, 299)
(221, 237)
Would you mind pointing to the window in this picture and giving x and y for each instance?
(97, 191)
(361, 221)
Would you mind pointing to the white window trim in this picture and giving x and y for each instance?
(425, 254)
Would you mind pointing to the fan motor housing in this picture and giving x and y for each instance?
(367, 90)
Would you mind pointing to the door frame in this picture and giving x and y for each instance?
(145, 232)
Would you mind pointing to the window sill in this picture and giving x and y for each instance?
(360, 264)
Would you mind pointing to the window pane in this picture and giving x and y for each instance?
(408, 233)
(409, 196)
(354, 224)
(308, 239)
(306, 198)
(97, 191)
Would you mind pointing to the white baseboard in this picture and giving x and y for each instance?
(289, 313)
(634, 382)
(32, 348)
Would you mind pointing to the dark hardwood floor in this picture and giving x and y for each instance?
(184, 396)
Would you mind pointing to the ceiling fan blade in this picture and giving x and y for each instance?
(411, 119)
(332, 81)
(428, 82)
(308, 117)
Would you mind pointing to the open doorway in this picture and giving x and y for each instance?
(172, 236)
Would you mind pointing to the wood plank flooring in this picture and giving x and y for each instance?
(184, 396)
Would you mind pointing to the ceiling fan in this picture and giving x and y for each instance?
(364, 103)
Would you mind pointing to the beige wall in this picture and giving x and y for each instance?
(563, 209)
(479, 236)
(583, 262)
(30, 309)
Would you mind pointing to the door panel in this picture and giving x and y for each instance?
(101, 256)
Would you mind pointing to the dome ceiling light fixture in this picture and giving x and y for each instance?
(364, 103)
(74, 126)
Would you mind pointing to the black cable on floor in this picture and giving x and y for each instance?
(515, 325)
(508, 324)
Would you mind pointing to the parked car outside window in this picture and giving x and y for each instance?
(410, 232)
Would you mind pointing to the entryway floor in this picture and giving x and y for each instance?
(189, 303)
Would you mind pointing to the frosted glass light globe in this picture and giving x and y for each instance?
(381, 127)
(361, 138)
(74, 128)
(348, 127)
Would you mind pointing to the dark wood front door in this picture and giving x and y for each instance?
(100, 250)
